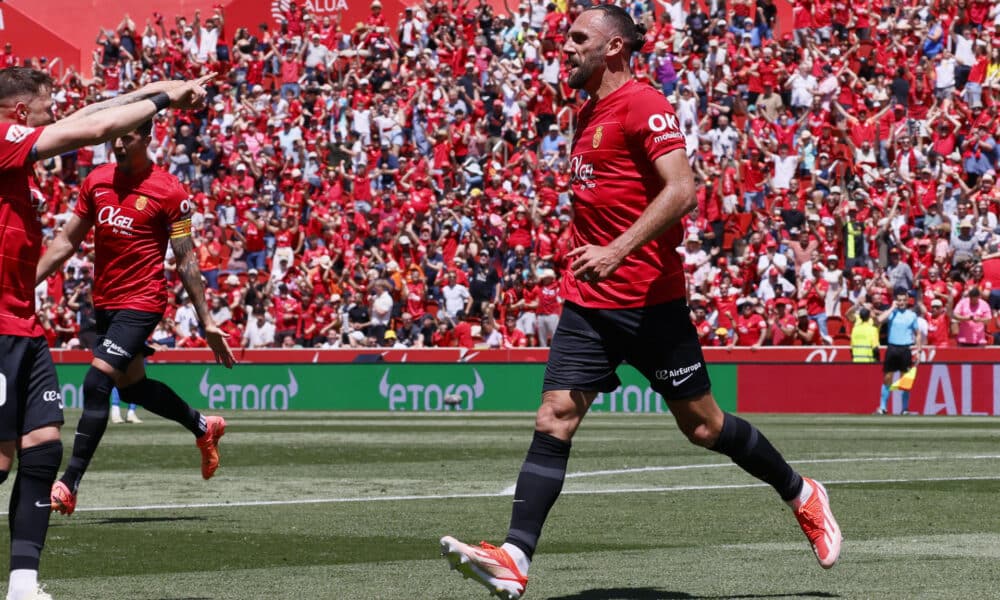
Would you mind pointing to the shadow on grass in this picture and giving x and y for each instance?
(136, 520)
(646, 593)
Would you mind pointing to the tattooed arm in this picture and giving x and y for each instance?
(142, 93)
(187, 269)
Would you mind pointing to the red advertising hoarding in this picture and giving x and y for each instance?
(962, 389)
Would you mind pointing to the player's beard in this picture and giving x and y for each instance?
(582, 73)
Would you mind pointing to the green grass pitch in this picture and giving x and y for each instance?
(350, 506)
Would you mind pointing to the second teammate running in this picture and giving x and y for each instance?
(135, 208)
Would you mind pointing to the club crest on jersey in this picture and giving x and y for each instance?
(598, 135)
(141, 202)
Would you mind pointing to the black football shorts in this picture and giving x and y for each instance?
(897, 358)
(30, 397)
(122, 335)
(659, 341)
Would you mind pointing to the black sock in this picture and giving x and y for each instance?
(157, 397)
(749, 449)
(97, 387)
(29, 503)
(538, 487)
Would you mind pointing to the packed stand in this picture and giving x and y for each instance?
(375, 184)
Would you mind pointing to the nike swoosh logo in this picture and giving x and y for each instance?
(40, 505)
(100, 193)
(677, 382)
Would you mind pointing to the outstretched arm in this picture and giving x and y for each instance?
(111, 122)
(187, 269)
(142, 93)
(62, 247)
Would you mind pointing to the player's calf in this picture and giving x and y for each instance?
(159, 399)
(29, 515)
(97, 386)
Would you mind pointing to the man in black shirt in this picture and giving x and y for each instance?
(484, 283)
(792, 216)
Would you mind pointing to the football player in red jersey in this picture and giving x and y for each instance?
(624, 300)
(134, 208)
(30, 402)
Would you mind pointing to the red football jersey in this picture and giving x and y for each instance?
(134, 217)
(21, 242)
(617, 141)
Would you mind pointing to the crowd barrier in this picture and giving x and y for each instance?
(950, 381)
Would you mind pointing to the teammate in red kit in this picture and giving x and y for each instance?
(624, 300)
(134, 208)
(30, 402)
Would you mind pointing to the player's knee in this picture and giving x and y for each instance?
(134, 392)
(702, 434)
(556, 420)
(41, 461)
(97, 386)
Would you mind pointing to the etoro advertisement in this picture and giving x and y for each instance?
(391, 387)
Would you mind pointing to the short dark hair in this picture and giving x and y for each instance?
(865, 314)
(633, 33)
(145, 128)
(20, 81)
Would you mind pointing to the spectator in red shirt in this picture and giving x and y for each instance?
(512, 336)
(210, 258)
(784, 324)
(939, 324)
(806, 330)
(750, 328)
(548, 306)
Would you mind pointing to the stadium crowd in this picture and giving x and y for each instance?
(375, 184)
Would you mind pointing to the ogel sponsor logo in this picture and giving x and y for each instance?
(581, 172)
(248, 396)
(112, 215)
(431, 396)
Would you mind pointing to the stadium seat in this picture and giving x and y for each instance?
(835, 325)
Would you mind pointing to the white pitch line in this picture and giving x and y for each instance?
(510, 489)
(646, 490)
(797, 462)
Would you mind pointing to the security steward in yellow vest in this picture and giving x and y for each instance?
(864, 338)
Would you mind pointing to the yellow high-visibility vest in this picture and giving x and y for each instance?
(864, 341)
